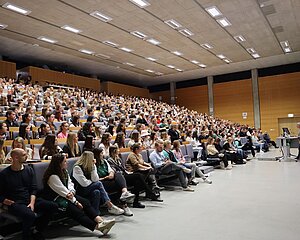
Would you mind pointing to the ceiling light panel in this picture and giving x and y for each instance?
(221, 56)
(86, 51)
(202, 65)
(256, 55)
(129, 64)
(111, 44)
(101, 16)
(71, 29)
(173, 24)
(251, 50)
(213, 11)
(287, 50)
(3, 26)
(139, 34)
(186, 32)
(206, 46)
(16, 8)
(224, 22)
(170, 66)
(126, 49)
(179, 70)
(286, 46)
(177, 53)
(239, 38)
(140, 3)
(151, 59)
(46, 39)
(153, 41)
(149, 70)
(195, 62)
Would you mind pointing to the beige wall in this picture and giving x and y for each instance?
(118, 88)
(194, 98)
(231, 99)
(45, 75)
(7, 69)
(279, 96)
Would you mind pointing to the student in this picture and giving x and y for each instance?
(49, 147)
(72, 148)
(60, 189)
(87, 183)
(19, 142)
(18, 192)
(112, 179)
(63, 130)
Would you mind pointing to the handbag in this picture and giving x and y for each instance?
(62, 203)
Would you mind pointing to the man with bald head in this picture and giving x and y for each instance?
(18, 192)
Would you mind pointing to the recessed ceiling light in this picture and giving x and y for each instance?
(86, 51)
(221, 56)
(177, 53)
(285, 44)
(213, 11)
(186, 32)
(140, 3)
(239, 38)
(287, 50)
(173, 24)
(3, 26)
(223, 22)
(139, 34)
(159, 73)
(71, 29)
(151, 59)
(153, 41)
(35, 45)
(46, 39)
(129, 64)
(179, 70)
(255, 55)
(202, 65)
(170, 66)
(16, 8)
(194, 61)
(150, 71)
(206, 46)
(126, 49)
(112, 44)
(251, 50)
(227, 60)
(102, 55)
(101, 16)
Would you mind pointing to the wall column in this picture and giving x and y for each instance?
(173, 92)
(255, 93)
(211, 108)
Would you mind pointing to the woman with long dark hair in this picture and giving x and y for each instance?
(44, 130)
(86, 130)
(49, 147)
(59, 188)
(105, 143)
(120, 140)
(25, 132)
(89, 144)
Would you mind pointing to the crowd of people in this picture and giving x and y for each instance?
(118, 122)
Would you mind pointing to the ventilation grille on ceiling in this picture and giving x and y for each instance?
(278, 29)
(267, 10)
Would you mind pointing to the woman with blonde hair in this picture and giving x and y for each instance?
(59, 188)
(72, 148)
(19, 142)
(88, 184)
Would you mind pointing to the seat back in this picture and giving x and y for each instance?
(39, 169)
(189, 150)
(81, 144)
(124, 156)
(144, 154)
(71, 162)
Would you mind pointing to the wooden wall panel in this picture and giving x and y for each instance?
(44, 75)
(118, 88)
(7, 69)
(165, 96)
(279, 96)
(194, 98)
(231, 99)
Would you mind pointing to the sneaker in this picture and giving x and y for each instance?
(194, 182)
(126, 196)
(127, 212)
(188, 189)
(186, 170)
(105, 226)
(138, 205)
(115, 210)
(228, 167)
(207, 180)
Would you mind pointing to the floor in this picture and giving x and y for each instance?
(256, 201)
